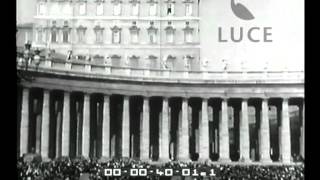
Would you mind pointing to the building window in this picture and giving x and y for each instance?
(153, 9)
(82, 8)
(134, 61)
(39, 35)
(135, 9)
(99, 33)
(98, 59)
(170, 7)
(115, 60)
(188, 9)
(53, 35)
(116, 35)
(188, 33)
(65, 32)
(42, 9)
(134, 33)
(54, 32)
(152, 32)
(188, 61)
(116, 7)
(169, 61)
(67, 9)
(81, 34)
(153, 61)
(100, 9)
(170, 33)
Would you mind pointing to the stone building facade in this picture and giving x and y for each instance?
(138, 33)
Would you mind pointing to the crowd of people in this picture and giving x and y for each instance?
(67, 169)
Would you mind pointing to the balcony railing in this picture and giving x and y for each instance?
(90, 69)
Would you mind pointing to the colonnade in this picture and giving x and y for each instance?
(121, 122)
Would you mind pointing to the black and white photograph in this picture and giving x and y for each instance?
(160, 89)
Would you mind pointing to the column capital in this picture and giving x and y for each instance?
(205, 98)
(67, 91)
(245, 99)
(107, 94)
(26, 87)
(146, 97)
(86, 93)
(225, 98)
(166, 97)
(285, 98)
(185, 98)
(46, 90)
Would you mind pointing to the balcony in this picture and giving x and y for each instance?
(104, 71)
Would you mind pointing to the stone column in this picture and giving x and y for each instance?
(264, 148)
(302, 107)
(183, 148)
(106, 128)
(285, 133)
(45, 125)
(66, 125)
(145, 141)
(279, 129)
(204, 132)
(86, 126)
(125, 138)
(164, 134)
(244, 132)
(224, 133)
(58, 130)
(24, 128)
